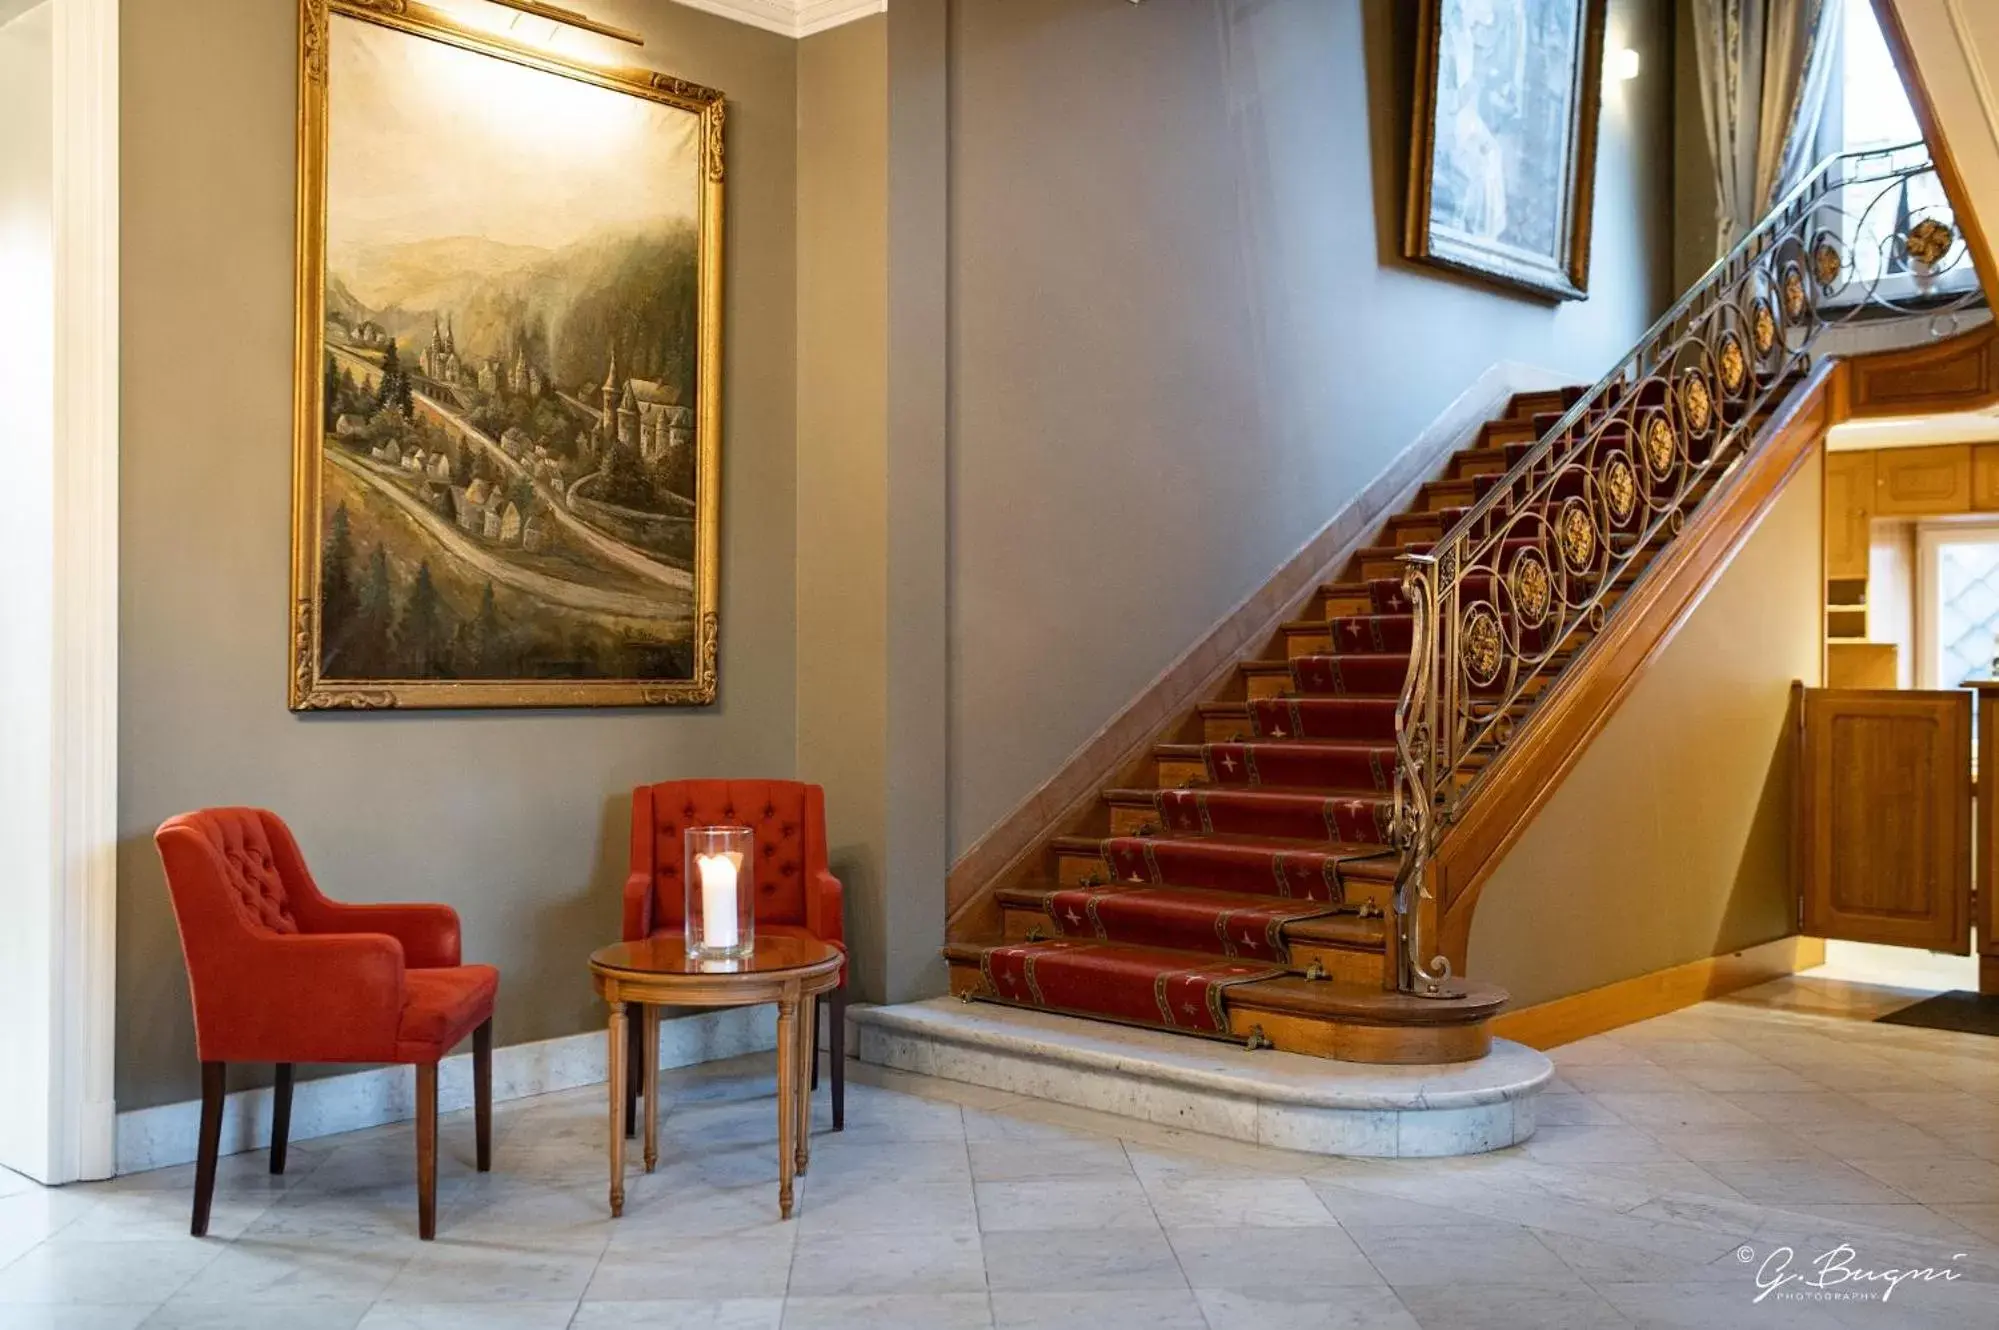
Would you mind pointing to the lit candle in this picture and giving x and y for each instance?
(718, 898)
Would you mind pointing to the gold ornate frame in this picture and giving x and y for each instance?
(308, 690)
(1565, 278)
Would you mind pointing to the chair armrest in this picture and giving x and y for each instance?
(304, 997)
(428, 933)
(638, 906)
(823, 915)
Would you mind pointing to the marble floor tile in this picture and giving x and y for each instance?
(1720, 1144)
(1059, 1203)
(103, 1316)
(1554, 1306)
(1710, 1306)
(1663, 1147)
(182, 1315)
(1081, 1261)
(450, 1272)
(1353, 1205)
(1013, 1160)
(1677, 1110)
(1409, 1257)
(873, 1203)
(681, 1314)
(1596, 1143)
(294, 1272)
(58, 1273)
(1304, 1309)
(1934, 1180)
(944, 1311)
(1784, 1181)
(903, 1261)
(1194, 1200)
(1165, 1309)
(1625, 1077)
(752, 1264)
(469, 1316)
(1303, 1257)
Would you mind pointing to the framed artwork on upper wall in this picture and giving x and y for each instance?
(507, 422)
(1504, 164)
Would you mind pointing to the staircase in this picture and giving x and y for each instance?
(1265, 876)
(1243, 892)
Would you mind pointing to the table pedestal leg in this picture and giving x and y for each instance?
(787, 1101)
(808, 1017)
(649, 1026)
(617, 1092)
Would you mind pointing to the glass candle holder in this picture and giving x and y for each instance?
(720, 892)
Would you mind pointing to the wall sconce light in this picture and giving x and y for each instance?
(1624, 65)
(556, 14)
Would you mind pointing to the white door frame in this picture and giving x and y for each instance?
(1930, 536)
(81, 625)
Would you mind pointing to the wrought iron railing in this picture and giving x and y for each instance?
(1514, 592)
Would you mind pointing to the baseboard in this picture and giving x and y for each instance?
(159, 1137)
(1565, 1020)
(1208, 663)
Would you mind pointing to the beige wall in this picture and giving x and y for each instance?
(843, 459)
(517, 819)
(1668, 842)
(1182, 336)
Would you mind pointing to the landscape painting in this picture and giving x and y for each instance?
(509, 373)
(1505, 140)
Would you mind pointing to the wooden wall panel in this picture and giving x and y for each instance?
(1911, 482)
(1849, 504)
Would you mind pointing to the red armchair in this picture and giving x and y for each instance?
(794, 891)
(279, 973)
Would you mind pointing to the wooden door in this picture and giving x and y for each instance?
(1884, 817)
(1849, 504)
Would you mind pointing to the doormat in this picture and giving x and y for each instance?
(1966, 1013)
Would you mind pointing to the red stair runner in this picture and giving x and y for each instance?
(1289, 816)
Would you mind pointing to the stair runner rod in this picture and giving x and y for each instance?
(1500, 600)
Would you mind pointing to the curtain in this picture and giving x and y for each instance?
(1765, 68)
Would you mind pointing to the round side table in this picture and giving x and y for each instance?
(657, 972)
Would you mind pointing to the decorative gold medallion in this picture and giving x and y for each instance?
(1734, 365)
(1929, 241)
(1826, 263)
(1696, 401)
(1620, 487)
(1660, 445)
(1794, 292)
(1481, 645)
(1532, 588)
(1577, 534)
(1762, 326)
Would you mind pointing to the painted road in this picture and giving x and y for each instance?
(556, 590)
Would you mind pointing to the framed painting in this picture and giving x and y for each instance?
(1505, 140)
(507, 417)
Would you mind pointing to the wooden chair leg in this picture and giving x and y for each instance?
(281, 1116)
(209, 1144)
(836, 1053)
(482, 1091)
(426, 1150)
(634, 1071)
(812, 1046)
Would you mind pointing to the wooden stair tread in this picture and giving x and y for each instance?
(1362, 858)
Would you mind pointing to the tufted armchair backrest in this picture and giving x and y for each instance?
(249, 877)
(787, 818)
